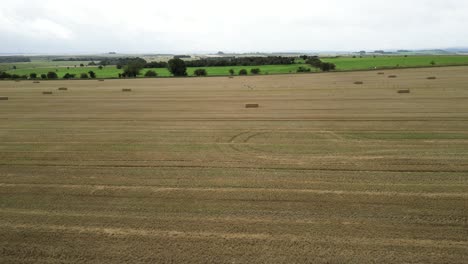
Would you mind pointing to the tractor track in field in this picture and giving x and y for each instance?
(158, 189)
(174, 234)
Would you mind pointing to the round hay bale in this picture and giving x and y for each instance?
(381, 73)
(404, 91)
(63, 89)
(432, 78)
(36, 82)
(252, 105)
(392, 76)
(46, 92)
(4, 98)
(358, 82)
(126, 90)
(101, 80)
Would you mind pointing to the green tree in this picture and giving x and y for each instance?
(314, 62)
(69, 76)
(100, 67)
(255, 71)
(133, 67)
(231, 72)
(177, 67)
(43, 76)
(84, 76)
(92, 75)
(200, 72)
(151, 73)
(303, 69)
(33, 75)
(327, 66)
(52, 75)
(5, 75)
(243, 72)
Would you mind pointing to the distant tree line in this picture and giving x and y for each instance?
(241, 61)
(9, 59)
(119, 62)
(315, 62)
(5, 75)
(182, 57)
(208, 62)
(156, 64)
(80, 59)
(50, 75)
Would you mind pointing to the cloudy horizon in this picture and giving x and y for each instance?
(86, 27)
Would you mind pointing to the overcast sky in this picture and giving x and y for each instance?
(94, 26)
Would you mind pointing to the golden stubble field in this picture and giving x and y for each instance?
(177, 170)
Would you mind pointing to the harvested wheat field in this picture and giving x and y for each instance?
(179, 170)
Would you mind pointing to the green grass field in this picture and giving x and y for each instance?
(40, 63)
(342, 64)
(365, 63)
(113, 72)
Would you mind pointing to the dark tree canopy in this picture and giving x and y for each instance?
(92, 74)
(69, 76)
(241, 61)
(133, 67)
(327, 66)
(92, 59)
(156, 64)
(120, 62)
(5, 75)
(177, 67)
(255, 71)
(52, 75)
(303, 69)
(243, 72)
(33, 75)
(84, 75)
(200, 72)
(10, 59)
(317, 63)
(314, 62)
(151, 73)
